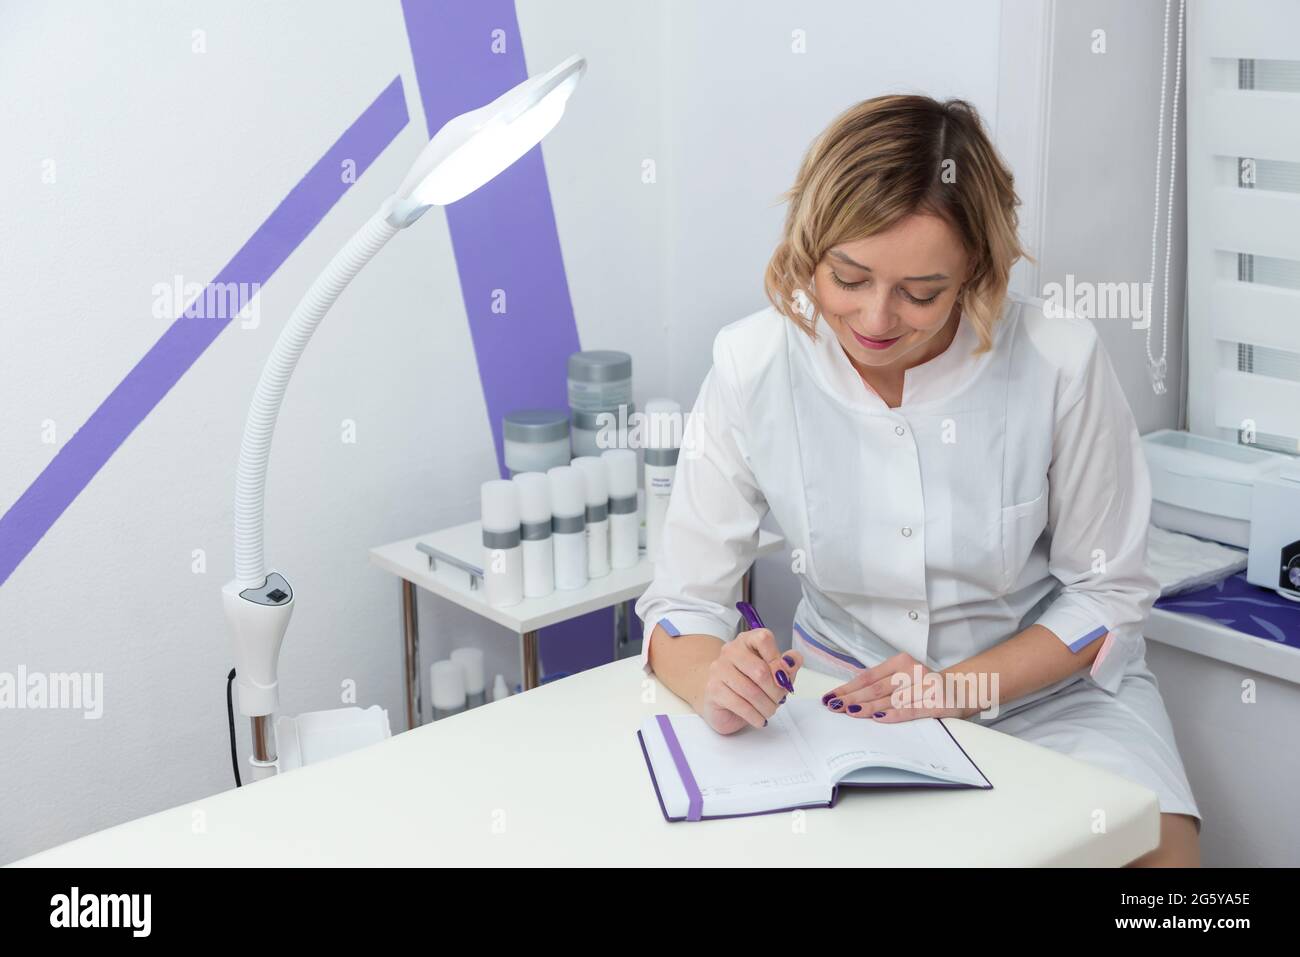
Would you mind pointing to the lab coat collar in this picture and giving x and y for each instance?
(935, 380)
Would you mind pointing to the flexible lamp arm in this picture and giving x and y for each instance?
(468, 151)
(255, 449)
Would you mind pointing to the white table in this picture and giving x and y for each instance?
(554, 776)
(1201, 636)
(448, 579)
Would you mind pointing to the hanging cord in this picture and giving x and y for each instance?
(230, 717)
(1158, 367)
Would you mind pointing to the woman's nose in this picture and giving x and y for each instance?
(875, 315)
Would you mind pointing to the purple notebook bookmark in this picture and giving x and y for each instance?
(695, 800)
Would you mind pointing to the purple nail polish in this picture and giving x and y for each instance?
(826, 698)
(765, 722)
(782, 701)
(783, 681)
(788, 660)
(837, 704)
(854, 708)
(878, 714)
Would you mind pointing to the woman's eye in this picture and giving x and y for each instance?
(920, 302)
(846, 285)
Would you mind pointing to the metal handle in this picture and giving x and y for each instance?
(438, 555)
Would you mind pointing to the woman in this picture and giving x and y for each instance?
(959, 475)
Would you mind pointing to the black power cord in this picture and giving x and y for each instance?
(230, 716)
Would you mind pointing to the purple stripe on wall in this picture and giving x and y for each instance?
(72, 469)
(506, 244)
(504, 234)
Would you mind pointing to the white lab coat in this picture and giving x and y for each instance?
(1008, 488)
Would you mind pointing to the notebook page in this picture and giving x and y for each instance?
(921, 746)
(755, 769)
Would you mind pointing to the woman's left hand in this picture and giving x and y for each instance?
(898, 689)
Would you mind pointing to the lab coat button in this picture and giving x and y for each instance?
(907, 531)
(899, 430)
(913, 615)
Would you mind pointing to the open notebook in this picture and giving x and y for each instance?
(801, 759)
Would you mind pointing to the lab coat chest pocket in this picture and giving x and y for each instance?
(1022, 525)
(961, 452)
(860, 494)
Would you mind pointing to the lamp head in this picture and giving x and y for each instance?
(475, 147)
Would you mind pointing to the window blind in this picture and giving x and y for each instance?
(1243, 221)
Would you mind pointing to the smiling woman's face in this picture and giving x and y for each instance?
(889, 297)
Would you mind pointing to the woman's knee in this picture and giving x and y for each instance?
(1180, 844)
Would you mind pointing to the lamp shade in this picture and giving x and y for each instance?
(473, 148)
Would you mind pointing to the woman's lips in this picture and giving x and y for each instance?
(875, 343)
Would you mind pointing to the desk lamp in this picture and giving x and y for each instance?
(466, 153)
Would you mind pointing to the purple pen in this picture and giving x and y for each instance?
(750, 614)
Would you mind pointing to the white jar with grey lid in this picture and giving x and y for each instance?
(599, 380)
(535, 440)
(594, 432)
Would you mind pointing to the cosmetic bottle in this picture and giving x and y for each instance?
(594, 432)
(624, 534)
(568, 526)
(597, 496)
(534, 440)
(471, 663)
(503, 565)
(599, 380)
(535, 532)
(663, 440)
(447, 681)
(499, 689)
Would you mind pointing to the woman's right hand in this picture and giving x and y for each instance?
(747, 682)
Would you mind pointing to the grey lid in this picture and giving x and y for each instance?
(535, 425)
(590, 421)
(600, 365)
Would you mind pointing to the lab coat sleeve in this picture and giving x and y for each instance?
(1099, 511)
(710, 532)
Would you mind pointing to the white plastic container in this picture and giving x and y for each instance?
(1202, 486)
(663, 441)
(503, 563)
(471, 663)
(568, 526)
(320, 735)
(596, 488)
(594, 432)
(499, 689)
(447, 682)
(599, 379)
(624, 523)
(535, 440)
(535, 533)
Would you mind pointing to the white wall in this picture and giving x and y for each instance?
(1100, 181)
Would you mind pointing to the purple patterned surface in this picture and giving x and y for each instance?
(1237, 604)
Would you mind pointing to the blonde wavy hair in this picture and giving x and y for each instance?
(880, 161)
